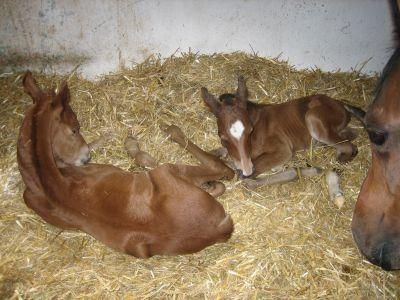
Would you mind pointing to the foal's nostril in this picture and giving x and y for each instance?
(355, 151)
(240, 174)
(86, 159)
(244, 177)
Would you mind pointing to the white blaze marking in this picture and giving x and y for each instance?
(237, 129)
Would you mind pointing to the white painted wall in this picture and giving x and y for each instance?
(55, 35)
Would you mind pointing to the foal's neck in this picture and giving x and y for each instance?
(254, 110)
(26, 160)
(50, 176)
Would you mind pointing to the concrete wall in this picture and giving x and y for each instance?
(57, 36)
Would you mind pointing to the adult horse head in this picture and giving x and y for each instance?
(376, 219)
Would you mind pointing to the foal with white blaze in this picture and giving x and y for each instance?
(259, 137)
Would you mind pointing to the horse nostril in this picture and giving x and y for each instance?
(384, 257)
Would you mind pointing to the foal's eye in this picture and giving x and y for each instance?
(224, 139)
(74, 131)
(378, 137)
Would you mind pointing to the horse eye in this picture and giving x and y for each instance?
(74, 131)
(378, 137)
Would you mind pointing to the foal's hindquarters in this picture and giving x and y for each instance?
(156, 212)
(326, 120)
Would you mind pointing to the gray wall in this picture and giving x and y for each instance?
(56, 36)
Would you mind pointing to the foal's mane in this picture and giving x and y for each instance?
(395, 58)
(38, 109)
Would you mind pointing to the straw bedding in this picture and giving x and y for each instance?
(290, 241)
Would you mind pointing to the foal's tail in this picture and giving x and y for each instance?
(356, 112)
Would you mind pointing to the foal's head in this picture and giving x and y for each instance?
(376, 220)
(69, 147)
(234, 125)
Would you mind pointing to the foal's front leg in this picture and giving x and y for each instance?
(273, 158)
(289, 175)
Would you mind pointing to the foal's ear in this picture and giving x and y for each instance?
(210, 101)
(31, 87)
(242, 93)
(63, 96)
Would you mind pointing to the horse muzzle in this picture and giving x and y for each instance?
(386, 255)
(380, 249)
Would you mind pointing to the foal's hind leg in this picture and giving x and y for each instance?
(98, 142)
(331, 130)
(348, 134)
(210, 170)
(141, 158)
(202, 177)
(216, 168)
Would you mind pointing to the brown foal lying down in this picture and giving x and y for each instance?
(162, 211)
(260, 137)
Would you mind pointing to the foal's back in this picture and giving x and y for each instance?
(287, 121)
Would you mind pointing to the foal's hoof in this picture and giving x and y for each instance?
(214, 188)
(251, 184)
(132, 145)
(221, 152)
(348, 156)
(143, 159)
(174, 132)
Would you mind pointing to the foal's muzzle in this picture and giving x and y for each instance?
(86, 160)
(241, 176)
(84, 157)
